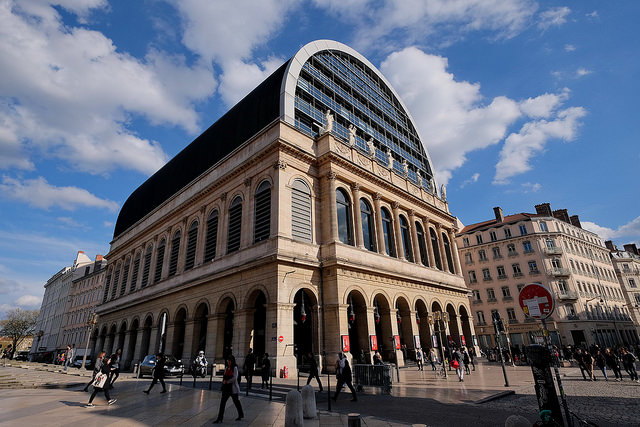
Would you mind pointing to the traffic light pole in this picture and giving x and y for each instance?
(496, 321)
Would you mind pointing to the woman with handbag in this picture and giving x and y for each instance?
(100, 382)
(230, 389)
(457, 363)
(96, 369)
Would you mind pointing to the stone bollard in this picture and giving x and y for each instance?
(309, 402)
(517, 421)
(293, 412)
(354, 420)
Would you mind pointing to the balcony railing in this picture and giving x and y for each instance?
(502, 276)
(573, 317)
(534, 272)
(509, 298)
(554, 250)
(492, 300)
(487, 279)
(519, 274)
(567, 295)
(477, 301)
(560, 272)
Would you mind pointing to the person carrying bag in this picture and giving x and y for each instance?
(100, 382)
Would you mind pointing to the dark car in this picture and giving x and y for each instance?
(172, 366)
(21, 355)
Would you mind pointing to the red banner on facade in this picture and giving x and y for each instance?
(373, 341)
(396, 341)
(345, 343)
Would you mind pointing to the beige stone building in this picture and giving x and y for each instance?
(627, 267)
(305, 219)
(502, 255)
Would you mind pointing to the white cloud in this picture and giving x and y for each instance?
(626, 233)
(227, 32)
(520, 147)
(593, 14)
(8, 286)
(69, 92)
(531, 187)
(553, 17)
(472, 180)
(569, 48)
(29, 301)
(39, 193)
(451, 115)
(543, 105)
(583, 72)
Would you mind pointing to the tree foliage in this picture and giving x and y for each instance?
(18, 324)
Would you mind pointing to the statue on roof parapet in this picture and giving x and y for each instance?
(352, 135)
(328, 118)
(371, 147)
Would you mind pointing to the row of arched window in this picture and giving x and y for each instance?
(391, 241)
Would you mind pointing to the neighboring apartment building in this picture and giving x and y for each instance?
(48, 338)
(85, 294)
(627, 267)
(502, 255)
(265, 233)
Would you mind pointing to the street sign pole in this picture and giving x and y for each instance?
(496, 321)
(563, 397)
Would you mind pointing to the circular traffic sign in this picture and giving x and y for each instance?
(536, 301)
(280, 338)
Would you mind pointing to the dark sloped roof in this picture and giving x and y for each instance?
(245, 119)
(493, 222)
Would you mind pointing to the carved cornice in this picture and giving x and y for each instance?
(280, 164)
(331, 176)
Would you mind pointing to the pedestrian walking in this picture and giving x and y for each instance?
(313, 370)
(629, 363)
(419, 358)
(377, 359)
(613, 363)
(231, 389)
(472, 356)
(433, 358)
(96, 369)
(344, 377)
(101, 382)
(578, 358)
(466, 360)
(457, 363)
(68, 356)
(601, 363)
(115, 373)
(248, 366)
(587, 360)
(158, 374)
(265, 370)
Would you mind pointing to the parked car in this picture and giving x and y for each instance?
(172, 366)
(78, 362)
(21, 355)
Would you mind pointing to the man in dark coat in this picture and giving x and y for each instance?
(248, 366)
(345, 378)
(313, 370)
(158, 374)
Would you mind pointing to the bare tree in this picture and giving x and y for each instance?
(18, 325)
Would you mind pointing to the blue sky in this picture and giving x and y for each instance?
(519, 102)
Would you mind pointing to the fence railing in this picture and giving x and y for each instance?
(374, 375)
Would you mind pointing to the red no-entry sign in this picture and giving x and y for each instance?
(280, 338)
(536, 301)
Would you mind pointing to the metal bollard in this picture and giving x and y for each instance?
(354, 420)
(329, 392)
(270, 387)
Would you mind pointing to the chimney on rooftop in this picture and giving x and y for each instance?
(631, 247)
(99, 257)
(609, 244)
(543, 209)
(498, 212)
(562, 215)
(575, 220)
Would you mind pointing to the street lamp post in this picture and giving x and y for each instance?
(93, 319)
(434, 318)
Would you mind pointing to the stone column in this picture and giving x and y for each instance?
(414, 237)
(241, 332)
(248, 207)
(371, 330)
(333, 209)
(355, 188)
(125, 356)
(212, 335)
(137, 352)
(427, 237)
(285, 354)
(394, 331)
(281, 202)
(153, 340)
(187, 349)
(454, 253)
(415, 329)
(378, 219)
(398, 232)
(443, 254)
(223, 218)
(108, 344)
(168, 346)
(202, 237)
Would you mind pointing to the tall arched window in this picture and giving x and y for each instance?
(406, 239)
(368, 231)
(159, 261)
(116, 280)
(212, 237)
(173, 257)
(436, 248)
(192, 242)
(343, 208)
(235, 225)
(447, 251)
(134, 273)
(387, 232)
(125, 276)
(262, 228)
(422, 245)
(300, 211)
(146, 269)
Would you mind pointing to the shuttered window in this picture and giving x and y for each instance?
(212, 237)
(192, 240)
(134, 273)
(159, 261)
(106, 287)
(301, 211)
(262, 228)
(235, 225)
(173, 258)
(147, 267)
(125, 276)
(116, 281)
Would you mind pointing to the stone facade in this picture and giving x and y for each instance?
(627, 267)
(288, 245)
(501, 256)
